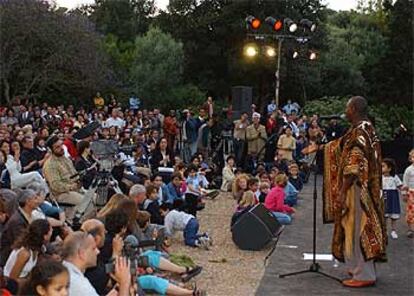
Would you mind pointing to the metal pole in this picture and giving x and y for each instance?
(277, 73)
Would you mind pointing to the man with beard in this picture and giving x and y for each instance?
(59, 173)
(352, 196)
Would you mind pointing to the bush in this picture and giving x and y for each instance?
(387, 119)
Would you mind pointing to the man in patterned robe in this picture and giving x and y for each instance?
(352, 196)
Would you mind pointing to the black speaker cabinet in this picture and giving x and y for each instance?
(241, 98)
(255, 229)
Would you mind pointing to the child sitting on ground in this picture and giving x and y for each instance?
(180, 221)
(151, 232)
(246, 203)
(264, 190)
(151, 205)
(294, 177)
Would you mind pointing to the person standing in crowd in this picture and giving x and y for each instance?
(171, 129)
(271, 107)
(286, 144)
(391, 185)
(256, 138)
(190, 133)
(239, 136)
(352, 196)
(408, 181)
(98, 101)
(209, 106)
(291, 107)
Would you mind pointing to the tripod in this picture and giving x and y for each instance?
(315, 266)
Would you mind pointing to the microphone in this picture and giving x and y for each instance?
(333, 116)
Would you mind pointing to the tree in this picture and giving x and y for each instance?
(46, 52)
(156, 71)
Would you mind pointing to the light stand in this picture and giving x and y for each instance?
(315, 266)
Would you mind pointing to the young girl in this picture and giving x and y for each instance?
(152, 206)
(240, 186)
(408, 180)
(390, 188)
(275, 201)
(27, 249)
(48, 278)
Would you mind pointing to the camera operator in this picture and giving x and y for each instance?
(110, 246)
(59, 172)
(80, 253)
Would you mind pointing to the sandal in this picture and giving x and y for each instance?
(190, 273)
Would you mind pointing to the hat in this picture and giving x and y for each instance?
(186, 111)
(256, 114)
(52, 140)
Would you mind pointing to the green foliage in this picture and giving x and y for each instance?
(156, 68)
(48, 53)
(386, 118)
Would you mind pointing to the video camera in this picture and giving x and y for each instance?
(132, 250)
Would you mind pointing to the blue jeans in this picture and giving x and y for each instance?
(283, 218)
(191, 232)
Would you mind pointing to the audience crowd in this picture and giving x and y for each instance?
(76, 219)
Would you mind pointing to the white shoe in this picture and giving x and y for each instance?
(203, 242)
(394, 234)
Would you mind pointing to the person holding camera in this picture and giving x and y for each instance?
(80, 253)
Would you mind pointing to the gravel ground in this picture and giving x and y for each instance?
(227, 270)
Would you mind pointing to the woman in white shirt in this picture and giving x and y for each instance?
(228, 174)
(26, 250)
(13, 165)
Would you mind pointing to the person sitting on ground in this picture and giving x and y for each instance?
(291, 198)
(180, 221)
(228, 174)
(173, 189)
(247, 202)
(240, 186)
(275, 201)
(294, 177)
(47, 278)
(151, 205)
(26, 250)
(253, 186)
(151, 231)
(80, 253)
(264, 191)
(193, 195)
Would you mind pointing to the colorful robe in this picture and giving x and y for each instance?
(357, 153)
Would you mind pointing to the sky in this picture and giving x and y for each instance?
(334, 4)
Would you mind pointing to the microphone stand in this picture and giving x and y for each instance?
(315, 266)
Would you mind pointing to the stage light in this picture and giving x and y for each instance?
(313, 56)
(253, 23)
(295, 55)
(308, 24)
(251, 50)
(291, 25)
(274, 23)
(270, 51)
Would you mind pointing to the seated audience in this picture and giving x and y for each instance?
(228, 174)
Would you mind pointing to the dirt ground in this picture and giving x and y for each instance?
(227, 270)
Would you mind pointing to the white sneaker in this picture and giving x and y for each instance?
(394, 234)
(203, 242)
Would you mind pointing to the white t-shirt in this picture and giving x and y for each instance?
(409, 177)
(390, 182)
(176, 221)
(118, 122)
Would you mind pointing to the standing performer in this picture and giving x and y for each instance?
(352, 196)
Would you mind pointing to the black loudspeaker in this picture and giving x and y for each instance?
(255, 229)
(241, 98)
